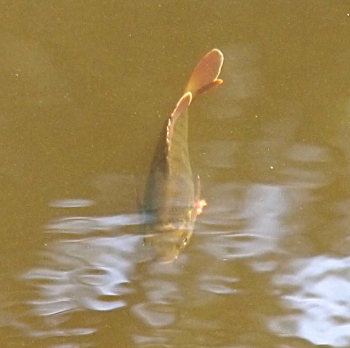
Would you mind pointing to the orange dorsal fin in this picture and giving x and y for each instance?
(205, 74)
(180, 108)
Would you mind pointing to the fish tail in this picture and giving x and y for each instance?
(205, 74)
(204, 77)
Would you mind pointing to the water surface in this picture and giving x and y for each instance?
(85, 90)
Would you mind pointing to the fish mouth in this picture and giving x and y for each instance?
(166, 246)
(166, 259)
(164, 253)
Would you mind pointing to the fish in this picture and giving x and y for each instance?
(172, 196)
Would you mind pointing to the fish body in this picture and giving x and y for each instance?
(172, 199)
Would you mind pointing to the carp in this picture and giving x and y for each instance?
(172, 198)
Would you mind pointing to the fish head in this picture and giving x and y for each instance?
(167, 241)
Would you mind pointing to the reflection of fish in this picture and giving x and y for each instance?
(172, 200)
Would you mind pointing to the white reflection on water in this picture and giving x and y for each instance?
(218, 284)
(155, 314)
(316, 298)
(264, 224)
(86, 225)
(72, 203)
(83, 272)
(308, 153)
(260, 216)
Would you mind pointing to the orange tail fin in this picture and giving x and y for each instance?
(205, 74)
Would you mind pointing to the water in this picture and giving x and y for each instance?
(86, 88)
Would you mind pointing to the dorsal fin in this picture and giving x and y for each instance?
(205, 74)
(181, 106)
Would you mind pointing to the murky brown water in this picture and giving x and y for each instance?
(86, 87)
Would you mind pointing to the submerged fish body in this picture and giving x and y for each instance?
(172, 201)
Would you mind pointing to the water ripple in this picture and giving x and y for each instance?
(316, 294)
